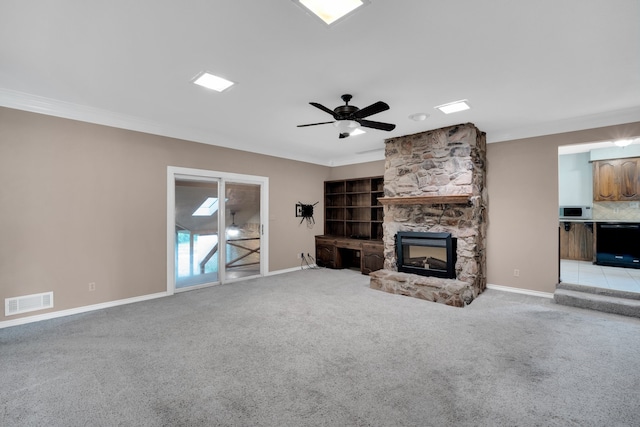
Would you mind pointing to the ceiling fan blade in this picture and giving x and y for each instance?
(343, 135)
(323, 108)
(371, 110)
(314, 124)
(377, 125)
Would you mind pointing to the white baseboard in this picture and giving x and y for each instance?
(78, 310)
(290, 270)
(520, 291)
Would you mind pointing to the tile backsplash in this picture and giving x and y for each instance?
(616, 211)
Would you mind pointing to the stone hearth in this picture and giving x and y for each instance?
(435, 181)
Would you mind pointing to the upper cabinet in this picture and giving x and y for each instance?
(616, 180)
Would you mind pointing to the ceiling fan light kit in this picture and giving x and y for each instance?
(348, 118)
(346, 125)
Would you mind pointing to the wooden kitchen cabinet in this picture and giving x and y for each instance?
(576, 241)
(616, 180)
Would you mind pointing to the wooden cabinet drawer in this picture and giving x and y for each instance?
(349, 244)
(325, 241)
(373, 247)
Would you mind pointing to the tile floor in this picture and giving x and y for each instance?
(587, 273)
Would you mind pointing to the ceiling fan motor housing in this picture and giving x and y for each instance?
(345, 112)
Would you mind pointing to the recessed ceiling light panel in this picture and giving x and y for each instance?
(453, 107)
(211, 81)
(331, 11)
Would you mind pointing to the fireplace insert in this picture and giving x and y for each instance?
(426, 253)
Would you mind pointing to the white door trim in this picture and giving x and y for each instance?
(174, 172)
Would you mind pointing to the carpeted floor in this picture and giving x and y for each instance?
(319, 348)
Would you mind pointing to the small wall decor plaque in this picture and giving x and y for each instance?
(306, 213)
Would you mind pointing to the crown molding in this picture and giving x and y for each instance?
(68, 110)
(592, 121)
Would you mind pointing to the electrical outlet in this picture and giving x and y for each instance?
(92, 286)
(516, 273)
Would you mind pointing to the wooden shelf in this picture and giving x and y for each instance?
(352, 209)
(426, 200)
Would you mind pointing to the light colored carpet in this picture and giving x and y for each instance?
(319, 348)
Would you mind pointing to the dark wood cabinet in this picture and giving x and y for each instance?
(616, 180)
(326, 254)
(343, 252)
(353, 219)
(372, 257)
(576, 241)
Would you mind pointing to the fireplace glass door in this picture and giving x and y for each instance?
(426, 254)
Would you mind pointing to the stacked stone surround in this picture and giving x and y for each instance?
(441, 162)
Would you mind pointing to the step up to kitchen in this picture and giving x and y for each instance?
(599, 299)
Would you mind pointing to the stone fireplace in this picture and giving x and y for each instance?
(434, 182)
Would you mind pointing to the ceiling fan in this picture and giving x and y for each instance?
(348, 117)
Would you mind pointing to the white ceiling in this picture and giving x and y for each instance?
(527, 68)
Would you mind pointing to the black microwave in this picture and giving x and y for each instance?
(576, 212)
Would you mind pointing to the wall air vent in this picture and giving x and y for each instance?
(27, 303)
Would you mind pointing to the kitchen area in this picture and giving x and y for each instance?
(599, 215)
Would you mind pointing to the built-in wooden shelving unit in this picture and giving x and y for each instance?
(353, 209)
(353, 217)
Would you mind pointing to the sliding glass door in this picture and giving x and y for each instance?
(197, 239)
(243, 230)
(216, 229)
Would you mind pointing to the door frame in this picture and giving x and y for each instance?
(176, 172)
